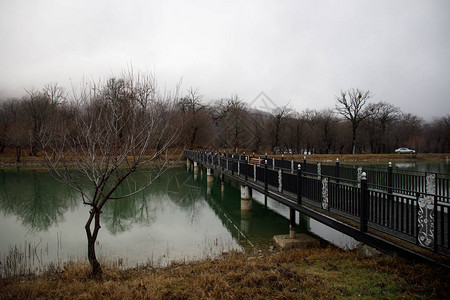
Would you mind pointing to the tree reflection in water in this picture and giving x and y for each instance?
(39, 201)
(178, 216)
(35, 197)
(141, 209)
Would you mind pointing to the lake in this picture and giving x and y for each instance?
(435, 166)
(178, 218)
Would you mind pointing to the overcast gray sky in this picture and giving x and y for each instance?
(302, 52)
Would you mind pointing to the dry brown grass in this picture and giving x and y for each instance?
(349, 158)
(366, 157)
(7, 158)
(296, 274)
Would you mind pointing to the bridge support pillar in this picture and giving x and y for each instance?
(246, 197)
(291, 223)
(209, 175)
(195, 170)
(246, 216)
(188, 163)
(209, 182)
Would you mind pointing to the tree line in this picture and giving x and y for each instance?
(124, 107)
(356, 124)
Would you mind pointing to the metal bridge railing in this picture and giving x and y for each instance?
(412, 207)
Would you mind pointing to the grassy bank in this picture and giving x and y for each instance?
(296, 274)
(369, 158)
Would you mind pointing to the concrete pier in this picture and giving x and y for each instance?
(291, 223)
(246, 197)
(285, 242)
(246, 216)
(209, 175)
(294, 240)
(209, 184)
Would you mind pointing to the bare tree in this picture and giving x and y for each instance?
(295, 132)
(257, 123)
(350, 105)
(54, 93)
(381, 117)
(38, 110)
(277, 125)
(145, 87)
(407, 131)
(191, 106)
(437, 135)
(310, 117)
(5, 123)
(108, 139)
(231, 116)
(326, 130)
(16, 133)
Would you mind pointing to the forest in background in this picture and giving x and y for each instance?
(356, 123)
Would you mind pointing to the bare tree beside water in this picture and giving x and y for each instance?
(111, 136)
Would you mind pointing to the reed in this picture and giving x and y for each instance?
(33, 258)
(296, 274)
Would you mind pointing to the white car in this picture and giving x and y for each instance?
(405, 151)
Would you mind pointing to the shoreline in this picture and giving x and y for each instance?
(323, 272)
(7, 161)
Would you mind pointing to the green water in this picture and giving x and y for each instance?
(179, 217)
(435, 166)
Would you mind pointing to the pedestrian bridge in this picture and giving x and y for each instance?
(396, 212)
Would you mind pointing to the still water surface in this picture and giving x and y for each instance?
(435, 166)
(179, 217)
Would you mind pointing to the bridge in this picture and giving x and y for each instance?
(396, 212)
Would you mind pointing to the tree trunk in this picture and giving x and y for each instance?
(18, 153)
(96, 268)
(193, 136)
(92, 238)
(353, 140)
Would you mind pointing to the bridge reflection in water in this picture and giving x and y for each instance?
(249, 228)
(381, 208)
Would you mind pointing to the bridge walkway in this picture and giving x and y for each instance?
(372, 215)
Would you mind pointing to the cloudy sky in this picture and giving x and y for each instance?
(297, 52)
